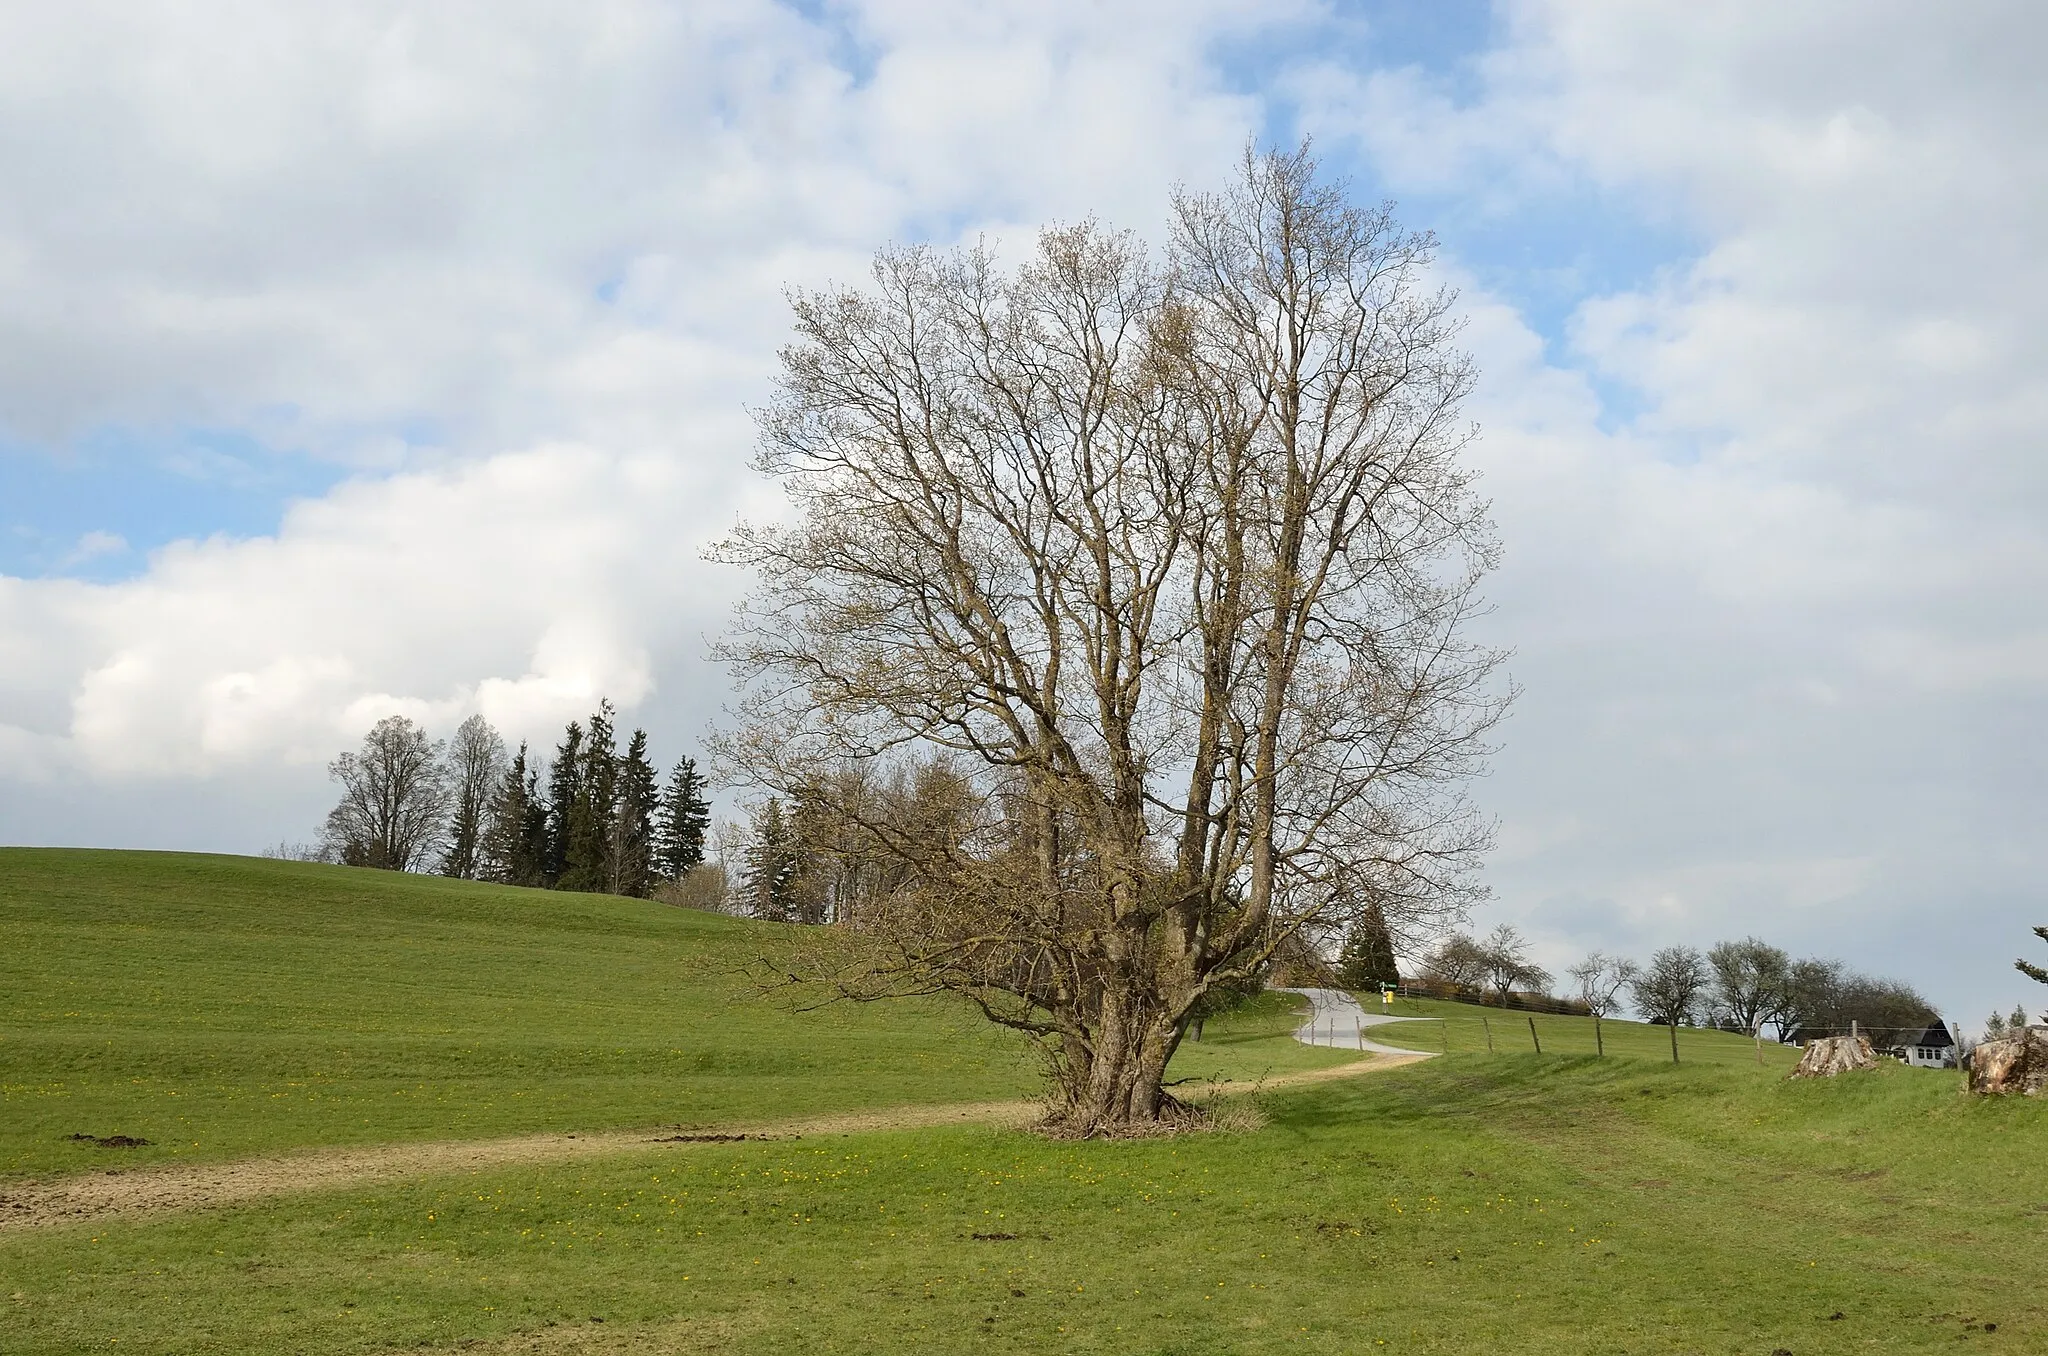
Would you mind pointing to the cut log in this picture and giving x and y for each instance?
(2015, 1063)
(1831, 1055)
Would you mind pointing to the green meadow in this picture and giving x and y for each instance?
(1503, 1202)
(221, 1007)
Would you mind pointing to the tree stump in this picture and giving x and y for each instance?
(1833, 1055)
(2015, 1063)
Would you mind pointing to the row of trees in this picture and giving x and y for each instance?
(1748, 984)
(843, 845)
(595, 818)
(1497, 964)
(1737, 985)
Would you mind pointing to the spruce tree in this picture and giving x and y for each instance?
(1367, 960)
(515, 840)
(685, 815)
(769, 879)
(531, 863)
(632, 836)
(565, 790)
(587, 841)
(504, 823)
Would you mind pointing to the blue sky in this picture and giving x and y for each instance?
(145, 489)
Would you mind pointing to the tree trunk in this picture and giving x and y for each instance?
(1116, 1085)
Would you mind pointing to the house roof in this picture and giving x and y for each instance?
(1932, 1038)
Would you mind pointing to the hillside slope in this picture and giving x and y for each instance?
(220, 1007)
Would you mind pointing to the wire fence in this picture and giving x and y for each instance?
(1549, 1025)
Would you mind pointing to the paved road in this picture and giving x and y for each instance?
(1336, 1019)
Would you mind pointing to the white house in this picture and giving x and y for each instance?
(1932, 1048)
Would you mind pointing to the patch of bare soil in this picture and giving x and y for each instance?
(85, 1198)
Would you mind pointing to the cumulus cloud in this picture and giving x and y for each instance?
(1773, 506)
(521, 270)
(378, 226)
(1776, 563)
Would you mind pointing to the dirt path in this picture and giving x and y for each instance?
(177, 1186)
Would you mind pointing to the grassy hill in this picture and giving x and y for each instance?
(226, 1006)
(1503, 1202)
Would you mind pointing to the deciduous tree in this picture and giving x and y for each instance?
(1599, 980)
(394, 799)
(1751, 980)
(1175, 561)
(2032, 971)
(1458, 962)
(1504, 954)
(476, 766)
(1670, 987)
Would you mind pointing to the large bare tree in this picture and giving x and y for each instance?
(394, 799)
(1160, 567)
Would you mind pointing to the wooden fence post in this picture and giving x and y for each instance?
(1674, 1042)
(1489, 1032)
(1533, 1036)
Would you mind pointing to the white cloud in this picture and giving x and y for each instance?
(522, 268)
(510, 221)
(525, 585)
(1779, 612)
(1776, 570)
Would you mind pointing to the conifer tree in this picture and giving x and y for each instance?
(564, 792)
(685, 815)
(533, 859)
(769, 878)
(2032, 971)
(631, 856)
(515, 840)
(1367, 960)
(587, 840)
